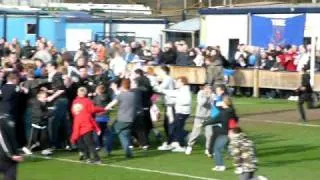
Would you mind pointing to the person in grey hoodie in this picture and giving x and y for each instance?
(204, 99)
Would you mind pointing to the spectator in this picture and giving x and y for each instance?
(199, 58)
(169, 55)
(118, 64)
(241, 53)
(183, 102)
(289, 59)
(303, 58)
(43, 53)
(243, 152)
(27, 50)
(127, 102)
(183, 56)
(84, 126)
(215, 75)
(129, 56)
(226, 114)
(101, 52)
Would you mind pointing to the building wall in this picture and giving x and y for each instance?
(17, 28)
(96, 27)
(53, 29)
(152, 32)
(77, 32)
(218, 29)
(1, 26)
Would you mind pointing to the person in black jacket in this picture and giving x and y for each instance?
(144, 85)
(12, 104)
(9, 157)
(305, 94)
(39, 122)
(169, 55)
(221, 128)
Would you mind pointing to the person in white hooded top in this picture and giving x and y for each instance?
(183, 103)
(166, 84)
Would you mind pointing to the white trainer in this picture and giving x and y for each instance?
(46, 152)
(165, 147)
(188, 150)
(262, 178)
(175, 145)
(219, 168)
(179, 149)
(207, 153)
(26, 151)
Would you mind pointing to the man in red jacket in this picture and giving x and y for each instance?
(84, 126)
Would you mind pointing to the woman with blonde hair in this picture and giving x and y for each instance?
(222, 121)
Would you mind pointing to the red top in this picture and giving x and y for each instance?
(83, 122)
(289, 62)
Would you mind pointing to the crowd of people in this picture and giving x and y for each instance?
(275, 58)
(54, 99)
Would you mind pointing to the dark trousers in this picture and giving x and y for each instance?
(103, 127)
(39, 135)
(87, 146)
(305, 97)
(8, 169)
(58, 124)
(169, 122)
(105, 139)
(180, 133)
(148, 122)
(140, 129)
(141, 136)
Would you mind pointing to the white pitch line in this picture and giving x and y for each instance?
(282, 122)
(130, 168)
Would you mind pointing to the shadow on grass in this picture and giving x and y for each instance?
(283, 163)
(264, 138)
(285, 150)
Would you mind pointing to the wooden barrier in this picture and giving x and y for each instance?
(279, 80)
(195, 75)
(242, 78)
(245, 78)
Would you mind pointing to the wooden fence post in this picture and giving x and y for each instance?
(256, 83)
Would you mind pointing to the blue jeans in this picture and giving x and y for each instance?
(124, 137)
(123, 130)
(219, 145)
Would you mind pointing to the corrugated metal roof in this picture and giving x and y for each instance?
(190, 25)
(266, 9)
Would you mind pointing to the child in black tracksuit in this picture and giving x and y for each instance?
(39, 121)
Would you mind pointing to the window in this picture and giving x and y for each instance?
(31, 28)
(306, 40)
